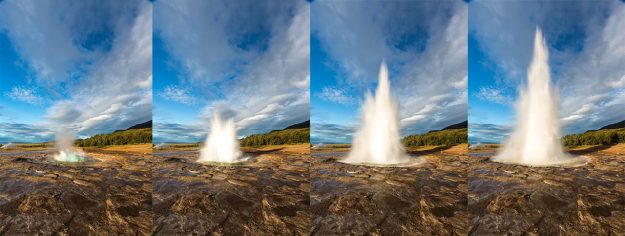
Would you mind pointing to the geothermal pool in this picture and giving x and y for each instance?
(516, 199)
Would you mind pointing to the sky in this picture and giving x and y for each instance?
(86, 68)
(424, 44)
(246, 60)
(586, 45)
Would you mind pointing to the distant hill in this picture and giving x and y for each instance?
(147, 124)
(597, 137)
(445, 137)
(297, 133)
(606, 135)
(448, 136)
(136, 134)
(305, 124)
(461, 125)
(617, 125)
(131, 136)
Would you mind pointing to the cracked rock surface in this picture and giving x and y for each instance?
(266, 195)
(426, 199)
(109, 195)
(520, 200)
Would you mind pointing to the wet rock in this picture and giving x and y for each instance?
(89, 198)
(392, 201)
(550, 201)
(266, 195)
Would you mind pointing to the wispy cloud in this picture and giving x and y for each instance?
(336, 95)
(18, 132)
(493, 94)
(24, 94)
(172, 132)
(488, 133)
(178, 94)
(331, 133)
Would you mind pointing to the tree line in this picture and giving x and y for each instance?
(287, 136)
(597, 137)
(132, 136)
(437, 138)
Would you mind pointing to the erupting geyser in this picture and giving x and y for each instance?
(377, 140)
(221, 144)
(536, 137)
(67, 152)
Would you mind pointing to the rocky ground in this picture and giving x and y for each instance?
(519, 200)
(267, 195)
(109, 195)
(427, 199)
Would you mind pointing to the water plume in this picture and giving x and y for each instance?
(65, 144)
(221, 144)
(377, 141)
(160, 146)
(535, 140)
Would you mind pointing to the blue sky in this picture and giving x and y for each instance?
(248, 61)
(424, 45)
(587, 54)
(88, 72)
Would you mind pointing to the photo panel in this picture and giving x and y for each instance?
(75, 117)
(231, 111)
(388, 114)
(546, 117)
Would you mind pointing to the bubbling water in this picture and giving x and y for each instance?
(377, 141)
(67, 153)
(535, 140)
(221, 144)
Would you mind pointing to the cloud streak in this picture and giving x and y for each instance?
(178, 94)
(488, 133)
(336, 95)
(492, 94)
(16, 132)
(26, 95)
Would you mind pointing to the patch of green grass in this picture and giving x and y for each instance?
(132, 136)
(597, 137)
(447, 137)
(278, 137)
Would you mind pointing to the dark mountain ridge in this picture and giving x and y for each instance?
(147, 124)
(461, 125)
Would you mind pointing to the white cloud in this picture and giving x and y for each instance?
(424, 44)
(178, 94)
(493, 94)
(254, 56)
(336, 95)
(26, 95)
